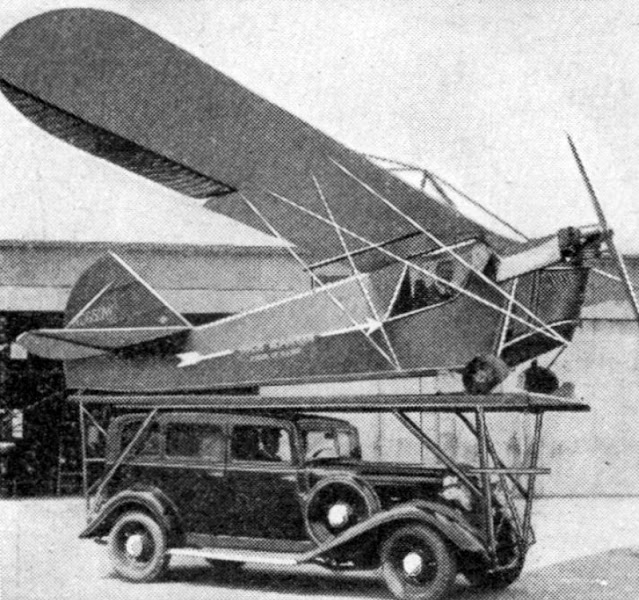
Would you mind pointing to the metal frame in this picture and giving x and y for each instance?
(490, 464)
(487, 454)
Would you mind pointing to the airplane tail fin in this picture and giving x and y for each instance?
(109, 308)
(109, 294)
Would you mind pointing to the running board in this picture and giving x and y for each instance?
(243, 556)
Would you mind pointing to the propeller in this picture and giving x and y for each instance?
(607, 232)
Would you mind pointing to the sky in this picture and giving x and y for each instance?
(481, 92)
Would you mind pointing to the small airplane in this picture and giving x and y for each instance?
(403, 284)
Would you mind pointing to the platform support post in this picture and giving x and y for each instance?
(534, 457)
(101, 484)
(405, 420)
(83, 443)
(485, 478)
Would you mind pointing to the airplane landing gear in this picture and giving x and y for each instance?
(483, 373)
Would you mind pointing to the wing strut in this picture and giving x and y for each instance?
(551, 332)
(363, 327)
(417, 267)
(357, 274)
(439, 183)
(618, 258)
(504, 330)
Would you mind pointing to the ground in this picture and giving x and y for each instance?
(587, 549)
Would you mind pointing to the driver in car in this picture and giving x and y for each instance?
(270, 444)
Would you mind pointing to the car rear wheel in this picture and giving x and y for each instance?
(417, 564)
(137, 547)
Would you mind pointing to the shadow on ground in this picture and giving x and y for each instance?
(298, 582)
(613, 574)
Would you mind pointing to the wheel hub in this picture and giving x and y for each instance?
(338, 514)
(135, 545)
(413, 564)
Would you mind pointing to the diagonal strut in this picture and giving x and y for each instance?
(357, 273)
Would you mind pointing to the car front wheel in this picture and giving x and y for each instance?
(417, 564)
(137, 547)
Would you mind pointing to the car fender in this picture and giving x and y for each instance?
(443, 519)
(152, 501)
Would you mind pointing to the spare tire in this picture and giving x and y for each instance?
(337, 503)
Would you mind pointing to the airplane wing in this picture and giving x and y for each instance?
(113, 88)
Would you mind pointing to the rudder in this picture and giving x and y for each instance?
(110, 295)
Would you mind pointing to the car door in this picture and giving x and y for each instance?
(264, 497)
(194, 463)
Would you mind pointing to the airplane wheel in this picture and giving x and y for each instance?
(334, 505)
(540, 380)
(483, 373)
(417, 564)
(137, 547)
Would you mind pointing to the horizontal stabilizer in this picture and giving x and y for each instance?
(72, 344)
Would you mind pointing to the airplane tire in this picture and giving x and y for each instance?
(483, 373)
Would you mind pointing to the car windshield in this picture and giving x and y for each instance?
(330, 443)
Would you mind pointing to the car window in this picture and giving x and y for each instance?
(148, 444)
(328, 443)
(321, 444)
(348, 445)
(252, 442)
(194, 440)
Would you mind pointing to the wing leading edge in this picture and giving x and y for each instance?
(111, 87)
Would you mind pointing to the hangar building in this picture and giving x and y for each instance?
(205, 265)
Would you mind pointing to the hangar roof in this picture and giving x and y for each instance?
(107, 211)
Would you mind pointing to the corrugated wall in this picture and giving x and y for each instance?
(39, 277)
(595, 453)
(598, 453)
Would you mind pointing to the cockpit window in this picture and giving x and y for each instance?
(418, 289)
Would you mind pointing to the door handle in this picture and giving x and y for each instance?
(214, 473)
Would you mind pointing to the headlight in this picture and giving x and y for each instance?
(454, 490)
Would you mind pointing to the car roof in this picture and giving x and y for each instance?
(301, 419)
